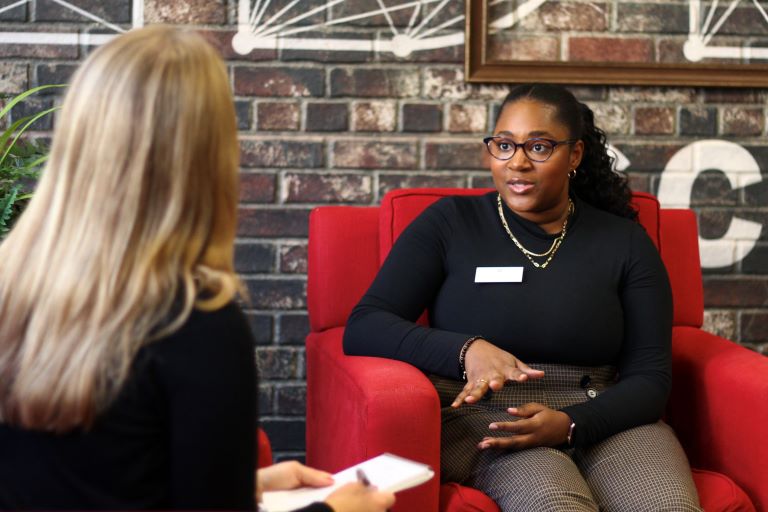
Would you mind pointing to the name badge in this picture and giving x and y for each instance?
(499, 275)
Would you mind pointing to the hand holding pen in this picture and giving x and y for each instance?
(360, 496)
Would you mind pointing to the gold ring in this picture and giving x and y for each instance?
(481, 380)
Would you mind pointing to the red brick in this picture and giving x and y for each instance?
(374, 116)
(372, 83)
(721, 323)
(40, 51)
(293, 329)
(670, 50)
(639, 182)
(257, 187)
(712, 188)
(244, 113)
(53, 74)
(649, 17)
(114, 11)
(648, 157)
(261, 327)
(610, 49)
(293, 259)
(327, 117)
(481, 181)
(186, 12)
(291, 399)
(327, 188)
(421, 117)
(698, 121)
(446, 155)
(13, 77)
(392, 181)
(278, 116)
(654, 121)
(18, 13)
(673, 95)
(754, 327)
(743, 121)
(273, 222)
(568, 17)
(735, 292)
(280, 81)
(277, 363)
(522, 48)
(445, 84)
(270, 293)
(468, 118)
(756, 261)
(370, 154)
(731, 95)
(612, 118)
(281, 153)
(251, 258)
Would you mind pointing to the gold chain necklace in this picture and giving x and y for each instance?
(529, 254)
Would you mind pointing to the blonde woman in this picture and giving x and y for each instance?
(127, 375)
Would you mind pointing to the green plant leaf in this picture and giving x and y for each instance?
(6, 209)
(24, 128)
(24, 95)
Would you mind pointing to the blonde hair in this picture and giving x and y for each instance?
(131, 227)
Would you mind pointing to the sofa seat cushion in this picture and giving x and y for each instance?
(718, 493)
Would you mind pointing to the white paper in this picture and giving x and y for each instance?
(499, 275)
(387, 472)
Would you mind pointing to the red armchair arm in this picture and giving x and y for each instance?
(383, 405)
(719, 408)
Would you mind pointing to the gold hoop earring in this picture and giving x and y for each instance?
(572, 173)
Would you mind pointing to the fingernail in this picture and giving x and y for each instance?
(512, 410)
(493, 426)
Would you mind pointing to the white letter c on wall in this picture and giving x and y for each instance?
(676, 185)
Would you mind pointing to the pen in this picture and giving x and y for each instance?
(362, 478)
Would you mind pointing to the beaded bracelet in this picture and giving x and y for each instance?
(463, 354)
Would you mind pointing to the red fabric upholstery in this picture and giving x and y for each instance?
(457, 498)
(719, 408)
(358, 407)
(345, 250)
(265, 449)
(680, 239)
(718, 493)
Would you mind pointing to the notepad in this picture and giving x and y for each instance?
(387, 472)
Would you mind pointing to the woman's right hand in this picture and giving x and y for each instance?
(356, 497)
(489, 367)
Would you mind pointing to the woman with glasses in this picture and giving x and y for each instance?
(550, 323)
(127, 376)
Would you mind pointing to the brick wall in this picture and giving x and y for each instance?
(330, 126)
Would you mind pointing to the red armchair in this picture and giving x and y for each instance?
(358, 407)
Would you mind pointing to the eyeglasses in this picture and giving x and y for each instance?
(536, 150)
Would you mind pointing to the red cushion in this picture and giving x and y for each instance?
(457, 498)
(680, 252)
(647, 207)
(718, 493)
(343, 260)
(265, 450)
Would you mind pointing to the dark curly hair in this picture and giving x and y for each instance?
(595, 181)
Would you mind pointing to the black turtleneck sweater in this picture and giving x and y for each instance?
(604, 299)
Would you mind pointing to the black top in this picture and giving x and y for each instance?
(604, 299)
(179, 435)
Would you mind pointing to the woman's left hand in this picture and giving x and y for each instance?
(538, 426)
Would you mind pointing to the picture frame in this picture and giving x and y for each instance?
(742, 64)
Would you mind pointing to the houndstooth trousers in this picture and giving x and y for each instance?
(642, 469)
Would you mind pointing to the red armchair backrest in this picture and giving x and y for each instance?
(348, 244)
